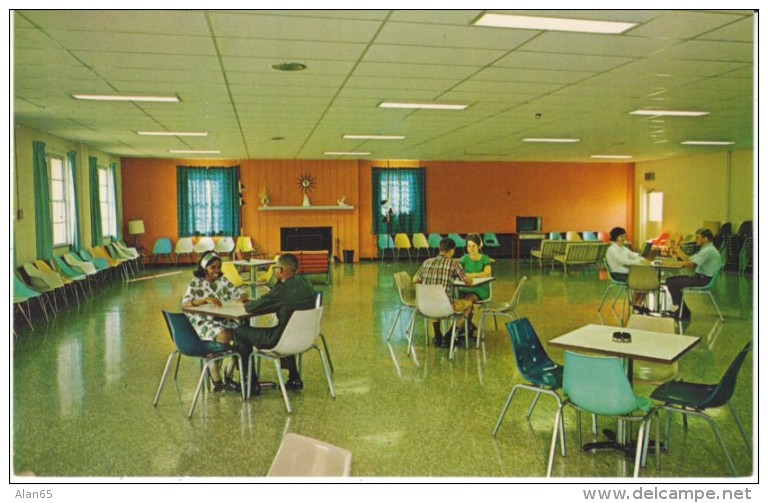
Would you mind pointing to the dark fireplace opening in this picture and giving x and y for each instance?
(306, 238)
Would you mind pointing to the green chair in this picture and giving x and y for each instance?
(434, 241)
(162, 248)
(536, 367)
(621, 287)
(459, 241)
(386, 243)
(490, 241)
(22, 294)
(188, 343)
(505, 309)
(703, 290)
(599, 385)
(694, 399)
(65, 270)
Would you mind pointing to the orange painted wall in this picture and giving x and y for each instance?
(461, 197)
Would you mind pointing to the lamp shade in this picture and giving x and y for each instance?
(135, 227)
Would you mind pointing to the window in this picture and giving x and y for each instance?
(655, 206)
(59, 200)
(107, 201)
(399, 200)
(208, 201)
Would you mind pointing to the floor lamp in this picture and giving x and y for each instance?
(135, 227)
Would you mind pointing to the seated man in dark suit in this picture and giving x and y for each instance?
(290, 294)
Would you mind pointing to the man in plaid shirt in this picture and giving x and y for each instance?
(443, 270)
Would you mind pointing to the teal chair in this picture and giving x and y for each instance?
(544, 376)
(22, 294)
(490, 242)
(188, 343)
(619, 286)
(589, 236)
(694, 399)
(162, 248)
(460, 242)
(434, 241)
(599, 385)
(386, 243)
(703, 290)
(555, 236)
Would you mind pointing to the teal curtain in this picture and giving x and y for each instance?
(208, 201)
(118, 220)
(399, 200)
(97, 238)
(43, 219)
(75, 240)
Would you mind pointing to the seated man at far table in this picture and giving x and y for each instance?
(706, 263)
(291, 293)
(443, 270)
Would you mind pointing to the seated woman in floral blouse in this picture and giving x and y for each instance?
(210, 286)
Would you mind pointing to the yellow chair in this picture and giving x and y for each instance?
(653, 372)
(244, 245)
(402, 242)
(420, 243)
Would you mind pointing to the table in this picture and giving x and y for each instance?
(648, 346)
(532, 238)
(254, 265)
(457, 284)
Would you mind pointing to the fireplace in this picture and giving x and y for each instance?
(306, 238)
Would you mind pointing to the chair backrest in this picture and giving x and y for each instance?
(386, 241)
(652, 323)
(300, 456)
(225, 245)
(555, 236)
(518, 291)
(402, 241)
(21, 289)
(603, 236)
(460, 241)
(532, 360)
(185, 337)
(643, 278)
(434, 240)
(490, 239)
(589, 236)
(432, 301)
(300, 332)
(405, 288)
(572, 236)
(184, 245)
(420, 241)
(711, 283)
(724, 390)
(244, 244)
(65, 269)
(725, 230)
(229, 270)
(204, 244)
(44, 267)
(745, 229)
(162, 246)
(598, 384)
(610, 277)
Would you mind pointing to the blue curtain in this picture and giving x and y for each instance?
(76, 242)
(97, 237)
(118, 224)
(43, 219)
(208, 201)
(399, 200)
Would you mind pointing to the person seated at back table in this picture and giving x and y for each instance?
(706, 263)
(476, 265)
(443, 270)
(619, 259)
(291, 293)
(210, 286)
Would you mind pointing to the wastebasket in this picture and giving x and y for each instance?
(349, 256)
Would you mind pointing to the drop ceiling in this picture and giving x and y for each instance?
(518, 83)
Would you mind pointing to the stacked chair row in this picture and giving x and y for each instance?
(188, 249)
(429, 244)
(51, 281)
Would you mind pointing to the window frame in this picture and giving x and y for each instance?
(107, 202)
(64, 201)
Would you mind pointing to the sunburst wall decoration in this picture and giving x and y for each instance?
(305, 183)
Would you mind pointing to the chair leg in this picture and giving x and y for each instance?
(327, 372)
(555, 430)
(282, 384)
(165, 375)
(504, 410)
(200, 384)
(741, 427)
(327, 353)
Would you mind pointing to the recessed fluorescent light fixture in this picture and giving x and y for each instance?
(703, 142)
(669, 113)
(551, 140)
(195, 151)
(373, 137)
(114, 97)
(611, 156)
(552, 23)
(347, 153)
(172, 133)
(428, 106)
